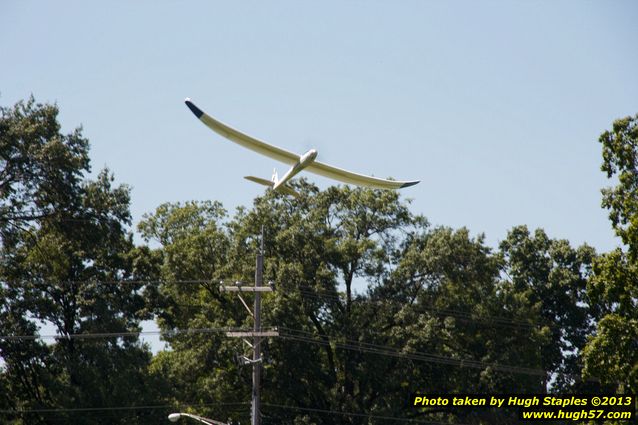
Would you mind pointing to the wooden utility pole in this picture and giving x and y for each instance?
(257, 334)
(259, 279)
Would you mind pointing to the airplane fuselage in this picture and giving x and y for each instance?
(307, 158)
(304, 161)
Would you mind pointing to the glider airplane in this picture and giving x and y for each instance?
(307, 161)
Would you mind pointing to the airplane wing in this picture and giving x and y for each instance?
(243, 139)
(287, 157)
(355, 178)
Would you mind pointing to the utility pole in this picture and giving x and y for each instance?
(257, 334)
(259, 280)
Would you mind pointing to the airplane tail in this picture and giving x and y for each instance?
(263, 182)
(270, 183)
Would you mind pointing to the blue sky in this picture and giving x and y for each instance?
(496, 106)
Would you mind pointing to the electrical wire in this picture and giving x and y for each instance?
(223, 404)
(304, 336)
(361, 415)
(115, 408)
(331, 295)
(308, 337)
(99, 335)
(385, 350)
(466, 315)
(290, 334)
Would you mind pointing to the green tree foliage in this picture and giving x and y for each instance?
(66, 259)
(39, 166)
(612, 354)
(196, 254)
(372, 305)
(547, 282)
(371, 302)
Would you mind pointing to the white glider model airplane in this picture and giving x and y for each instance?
(298, 162)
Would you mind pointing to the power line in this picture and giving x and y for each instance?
(222, 404)
(120, 281)
(61, 410)
(322, 294)
(363, 415)
(352, 345)
(463, 316)
(411, 355)
(116, 408)
(294, 334)
(466, 315)
(98, 335)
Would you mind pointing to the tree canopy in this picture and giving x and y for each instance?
(612, 353)
(372, 302)
(67, 259)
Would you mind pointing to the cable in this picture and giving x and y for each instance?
(125, 281)
(289, 333)
(293, 334)
(335, 296)
(363, 415)
(172, 406)
(317, 293)
(413, 355)
(97, 409)
(493, 320)
(119, 334)
(464, 316)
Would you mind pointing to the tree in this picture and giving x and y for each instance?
(313, 245)
(442, 301)
(546, 283)
(371, 303)
(68, 259)
(196, 253)
(612, 354)
(39, 166)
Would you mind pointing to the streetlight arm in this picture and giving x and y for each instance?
(174, 417)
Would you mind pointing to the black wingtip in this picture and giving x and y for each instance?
(408, 184)
(194, 109)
